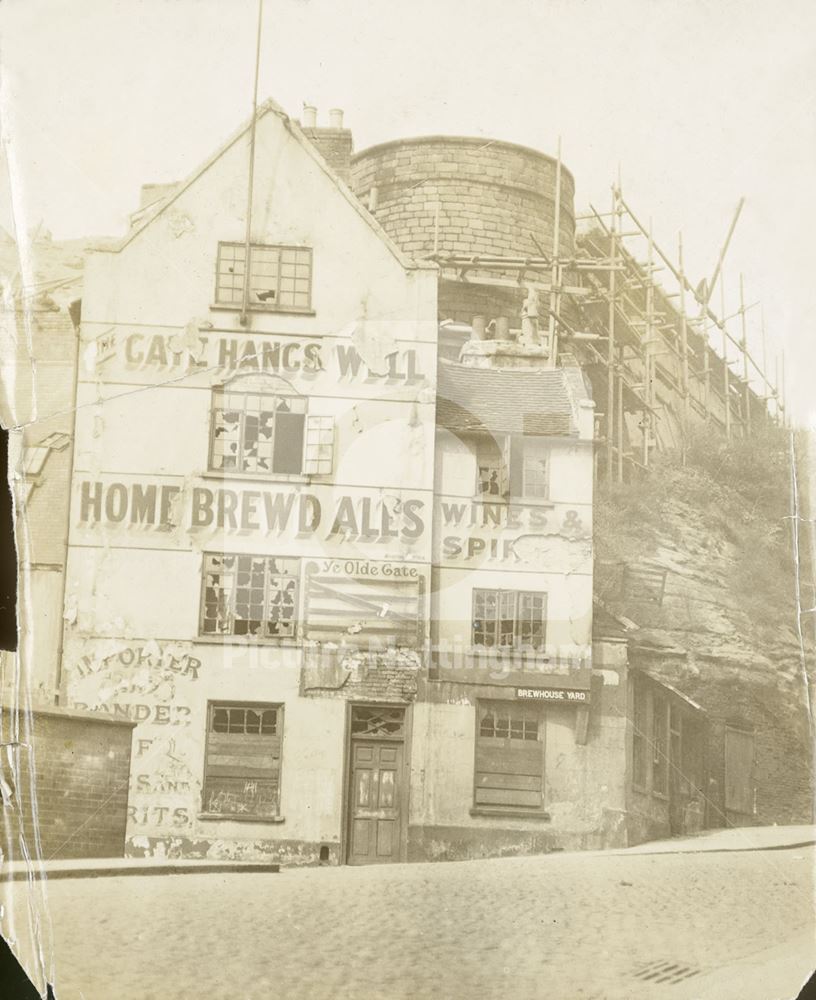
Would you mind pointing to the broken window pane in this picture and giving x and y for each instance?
(509, 619)
(254, 432)
(279, 277)
(250, 596)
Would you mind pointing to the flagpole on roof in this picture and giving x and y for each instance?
(251, 175)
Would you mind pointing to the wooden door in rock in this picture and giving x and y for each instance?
(739, 771)
(376, 794)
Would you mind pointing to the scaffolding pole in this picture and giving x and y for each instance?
(712, 316)
(785, 422)
(683, 347)
(620, 427)
(723, 252)
(610, 375)
(555, 274)
(745, 372)
(765, 379)
(726, 379)
(648, 359)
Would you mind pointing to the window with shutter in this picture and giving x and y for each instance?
(534, 468)
(242, 760)
(319, 452)
(509, 772)
(257, 432)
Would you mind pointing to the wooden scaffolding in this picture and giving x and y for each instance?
(646, 344)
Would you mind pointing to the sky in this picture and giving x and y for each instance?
(693, 103)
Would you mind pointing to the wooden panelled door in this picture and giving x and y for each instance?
(375, 797)
(739, 771)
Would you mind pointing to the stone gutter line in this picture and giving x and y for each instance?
(632, 851)
(106, 869)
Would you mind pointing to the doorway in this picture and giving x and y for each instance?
(376, 796)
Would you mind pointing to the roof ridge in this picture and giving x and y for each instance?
(266, 107)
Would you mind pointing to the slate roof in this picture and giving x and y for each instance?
(508, 400)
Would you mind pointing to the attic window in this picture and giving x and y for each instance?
(280, 277)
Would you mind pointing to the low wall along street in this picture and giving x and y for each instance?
(80, 765)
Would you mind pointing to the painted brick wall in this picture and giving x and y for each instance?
(81, 768)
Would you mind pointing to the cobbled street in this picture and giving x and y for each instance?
(560, 927)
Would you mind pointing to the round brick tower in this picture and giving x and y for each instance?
(468, 196)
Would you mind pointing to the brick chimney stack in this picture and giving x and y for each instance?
(334, 143)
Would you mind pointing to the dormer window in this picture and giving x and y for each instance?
(280, 277)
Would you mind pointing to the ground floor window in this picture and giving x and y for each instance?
(509, 772)
(243, 760)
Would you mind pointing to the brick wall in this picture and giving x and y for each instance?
(490, 197)
(390, 676)
(335, 146)
(81, 772)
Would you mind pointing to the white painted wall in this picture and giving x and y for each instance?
(144, 418)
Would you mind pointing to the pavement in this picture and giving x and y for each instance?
(732, 839)
(19, 871)
(713, 923)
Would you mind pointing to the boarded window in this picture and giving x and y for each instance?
(280, 277)
(509, 619)
(509, 770)
(739, 771)
(364, 611)
(242, 761)
(255, 597)
(257, 432)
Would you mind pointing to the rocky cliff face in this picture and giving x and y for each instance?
(699, 559)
